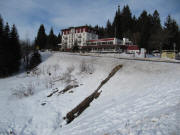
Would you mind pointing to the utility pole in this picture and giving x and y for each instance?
(115, 33)
(115, 30)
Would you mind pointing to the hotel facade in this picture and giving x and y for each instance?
(79, 35)
(87, 40)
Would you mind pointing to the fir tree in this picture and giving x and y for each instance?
(117, 24)
(6, 35)
(6, 51)
(172, 28)
(41, 38)
(157, 35)
(15, 49)
(1, 26)
(178, 42)
(156, 21)
(51, 40)
(59, 38)
(100, 31)
(126, 24)
(1, 35)
(134, 24)
(2, 48)
(75, 47)
(144, 25)
(10, 51)
(109, 29)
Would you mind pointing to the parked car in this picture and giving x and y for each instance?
(156, 53)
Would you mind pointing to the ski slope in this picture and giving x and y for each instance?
(142, 98)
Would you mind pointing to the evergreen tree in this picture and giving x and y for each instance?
(117, 24)
(6, 35)
(2, 48)
(15, 49)
(41, 38)
(126, 24)
(59, 38)
(51, 40)
(134, 24)
(1, 26)
(172, 28)
(1, 34)
(75, 47)
(144, 25)
(157, 35)
(157, 40)
(178, 42)
(156, 21)
(100, 31)
(6, 51)
(109, 29)
(10, 51)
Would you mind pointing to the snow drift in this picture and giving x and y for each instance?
(141, 98)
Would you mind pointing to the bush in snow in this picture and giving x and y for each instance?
(67, 77)
(35, 60)
(86, 67)
(56, 67)
(70, 69)
(24, 91)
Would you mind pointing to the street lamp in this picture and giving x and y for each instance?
(174, 45)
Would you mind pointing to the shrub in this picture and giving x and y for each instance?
(86, 68)
(24, 91)
(35, 60)
(70, 69)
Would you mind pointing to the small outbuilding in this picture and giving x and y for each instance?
(168, 54)
(132, 49)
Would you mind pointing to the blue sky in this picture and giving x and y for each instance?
(27, 15)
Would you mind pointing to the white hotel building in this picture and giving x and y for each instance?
(77, 34)
(87, 39)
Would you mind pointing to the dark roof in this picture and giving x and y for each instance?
(84, 26)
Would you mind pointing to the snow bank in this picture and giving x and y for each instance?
(142, 98)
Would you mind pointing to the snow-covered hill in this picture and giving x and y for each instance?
(142, 98)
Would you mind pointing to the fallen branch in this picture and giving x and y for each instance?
(63, 91)
(70, 116)
(67, 88)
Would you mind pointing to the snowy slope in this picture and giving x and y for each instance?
(143, 98)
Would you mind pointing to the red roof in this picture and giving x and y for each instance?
(103, 46)
(133, 47)
(103, 39)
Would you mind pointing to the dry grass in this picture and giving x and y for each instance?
(24, 91)
(85, 67)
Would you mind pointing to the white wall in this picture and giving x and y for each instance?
(81, 38)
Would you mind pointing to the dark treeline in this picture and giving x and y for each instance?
(44, 41)
(146, 31)
(10, 50)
